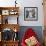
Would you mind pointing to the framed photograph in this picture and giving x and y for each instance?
(30, 13)
(13, 20)
(5, 12)
(10, 19)
(13, 12)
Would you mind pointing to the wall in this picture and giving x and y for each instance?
(30, 3)
(26, 3)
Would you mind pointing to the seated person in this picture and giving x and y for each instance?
(30, 38)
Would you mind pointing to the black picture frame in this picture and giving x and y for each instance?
(30, 13)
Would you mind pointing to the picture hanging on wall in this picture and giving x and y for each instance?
(30, 13)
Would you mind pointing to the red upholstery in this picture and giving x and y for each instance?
(29, 33)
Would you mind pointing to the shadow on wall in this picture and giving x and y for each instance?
(37, 29)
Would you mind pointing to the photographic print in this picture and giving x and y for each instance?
(30, 13)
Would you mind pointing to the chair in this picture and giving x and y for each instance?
(28, 34)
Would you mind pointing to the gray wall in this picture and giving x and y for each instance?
(37, 29)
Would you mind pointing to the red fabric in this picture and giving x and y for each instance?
(28, 33)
